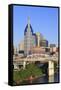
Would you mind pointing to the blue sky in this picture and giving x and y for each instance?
(42, 19)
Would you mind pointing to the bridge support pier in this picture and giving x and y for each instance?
(50, 68)
(51, 71)
(24, 64)
(16, 66)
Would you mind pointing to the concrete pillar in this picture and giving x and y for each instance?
(24, 64)
(16, 66)
(51, 71)
(50, 68)
(51, 78)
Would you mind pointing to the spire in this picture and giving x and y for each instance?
(28, 20)
(28, 23)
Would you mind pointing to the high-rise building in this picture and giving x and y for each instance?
(44, 43)
(41, 41)
(38, 39)
(34, 40)
(28, 38)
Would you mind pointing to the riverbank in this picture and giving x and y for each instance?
(30, 73)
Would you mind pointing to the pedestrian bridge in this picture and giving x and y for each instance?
(36, 57)
(43, 58)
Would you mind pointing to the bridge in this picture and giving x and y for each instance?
(37, 57)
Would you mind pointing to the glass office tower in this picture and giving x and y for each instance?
(28, 37)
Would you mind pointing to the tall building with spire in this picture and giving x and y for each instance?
(33, 40)
(28, 38)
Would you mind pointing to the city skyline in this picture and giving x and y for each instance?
(47, 25)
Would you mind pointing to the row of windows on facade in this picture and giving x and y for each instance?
(34, 42)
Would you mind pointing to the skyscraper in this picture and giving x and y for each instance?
(28, 38)
(44, 43)
(38, 39)
(34, 40)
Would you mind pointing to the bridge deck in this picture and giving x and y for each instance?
(41, 59)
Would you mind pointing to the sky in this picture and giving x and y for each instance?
(42, 19)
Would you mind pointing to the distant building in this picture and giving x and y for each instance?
(52, 45)
(38, 50)
(57, 49)
(34, 40)
(53, 48)
(41, 41)
(38, 38)
(21, 46)
(44, 43)
(15, 51)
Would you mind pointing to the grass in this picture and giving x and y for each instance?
(31, 69)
